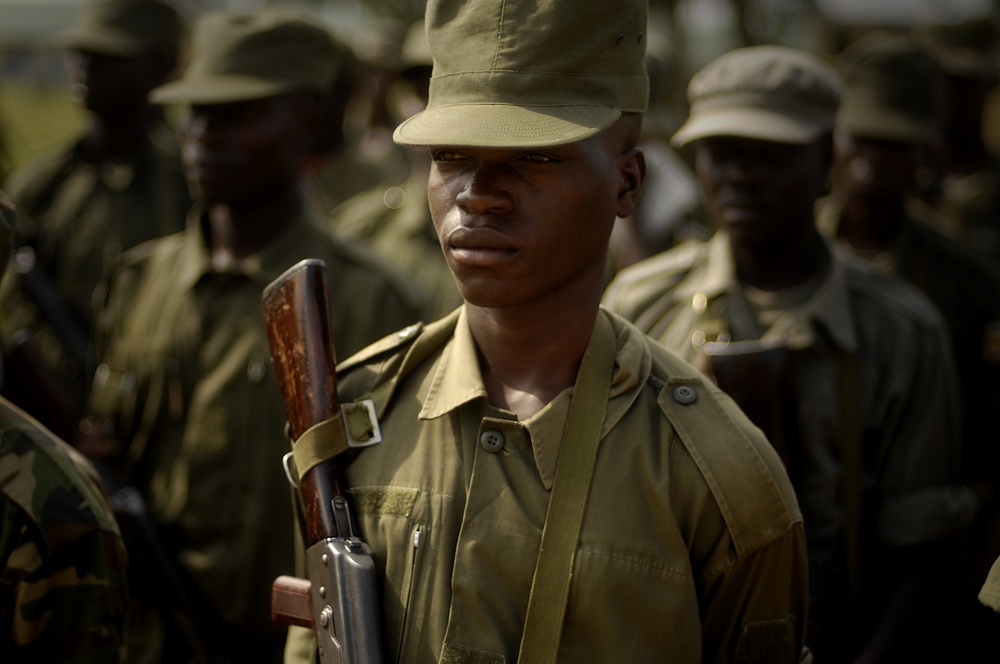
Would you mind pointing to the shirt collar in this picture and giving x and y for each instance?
(457, 380)
(828, 307)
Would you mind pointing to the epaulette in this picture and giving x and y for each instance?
(375, 371)
(390, 343)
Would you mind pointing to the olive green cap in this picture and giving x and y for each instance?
(125, 28)
(969, 49)
(239, 56)
(894, 89)
(529, 73)
(771, 93)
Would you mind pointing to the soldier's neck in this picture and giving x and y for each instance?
(109, 138)
(779, 265)
(238, 231)
(527, 360)
(870, 224)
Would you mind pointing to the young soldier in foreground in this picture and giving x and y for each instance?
(868, 387)
(691, 546)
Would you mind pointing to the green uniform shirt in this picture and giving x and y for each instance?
(62, 561)
(82, 216)
(967, 292)
(187, 377)
(691, 535)
(906, 413)
(395, 222)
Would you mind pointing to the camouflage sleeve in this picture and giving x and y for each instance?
(62, 560)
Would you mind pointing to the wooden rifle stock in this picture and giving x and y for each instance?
(301, 340)
(339, 604)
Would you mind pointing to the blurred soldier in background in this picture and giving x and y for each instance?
(887, 127)
(669, 210)
(393, 217)
(116, 186)
(848, 372)
(967, 190)
(62, 561)
(339, 167)
(186, 398)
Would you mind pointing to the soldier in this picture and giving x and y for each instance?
(689, 546)
(117, 185)
(870, 439)
(62, 561)
(186, 384)
(967, 189)
(887, 126)
(393, 218)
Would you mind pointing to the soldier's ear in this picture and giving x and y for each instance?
(632, 173)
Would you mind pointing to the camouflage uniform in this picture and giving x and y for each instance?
(62, 586)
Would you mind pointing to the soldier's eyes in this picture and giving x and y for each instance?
(537, 158)
(445, 155)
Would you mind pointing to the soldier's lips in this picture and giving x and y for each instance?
(479, 246)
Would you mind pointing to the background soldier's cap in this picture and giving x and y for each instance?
(771, 93)
(125, 28)
(894, 89)
(239, 56)
(970, 49)
(529, 73)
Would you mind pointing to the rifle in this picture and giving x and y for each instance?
(41, 391)
(340, 603)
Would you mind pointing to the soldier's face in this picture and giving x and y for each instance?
(107, 84)
(876, 169)
(522, 226)
(236, 153)
(761, 191)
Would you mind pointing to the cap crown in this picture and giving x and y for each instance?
(772, 93)
(125, 28)
(530, 72)
(894, 89)
(249, 55)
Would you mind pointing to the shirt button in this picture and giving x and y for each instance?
(492, 440)
(685, 394)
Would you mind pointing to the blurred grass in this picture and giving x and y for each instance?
(34, 118)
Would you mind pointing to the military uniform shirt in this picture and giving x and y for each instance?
(188, 379)
(691, 534)
(62, 560)
(395, 222)
(967, 293)
(907, 409)
(82, 217)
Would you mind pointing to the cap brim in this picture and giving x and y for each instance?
(749, 123)
(504, 125)
(107, 42)
(881, 123)
(216, 90)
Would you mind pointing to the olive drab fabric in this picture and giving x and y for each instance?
(521, 73)
(252, 55)
(199, 422)
(62, 560)
(394, 221)
(125, 28)
(772, 93)
(457, 492)
(906, 398)
(78, 217)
